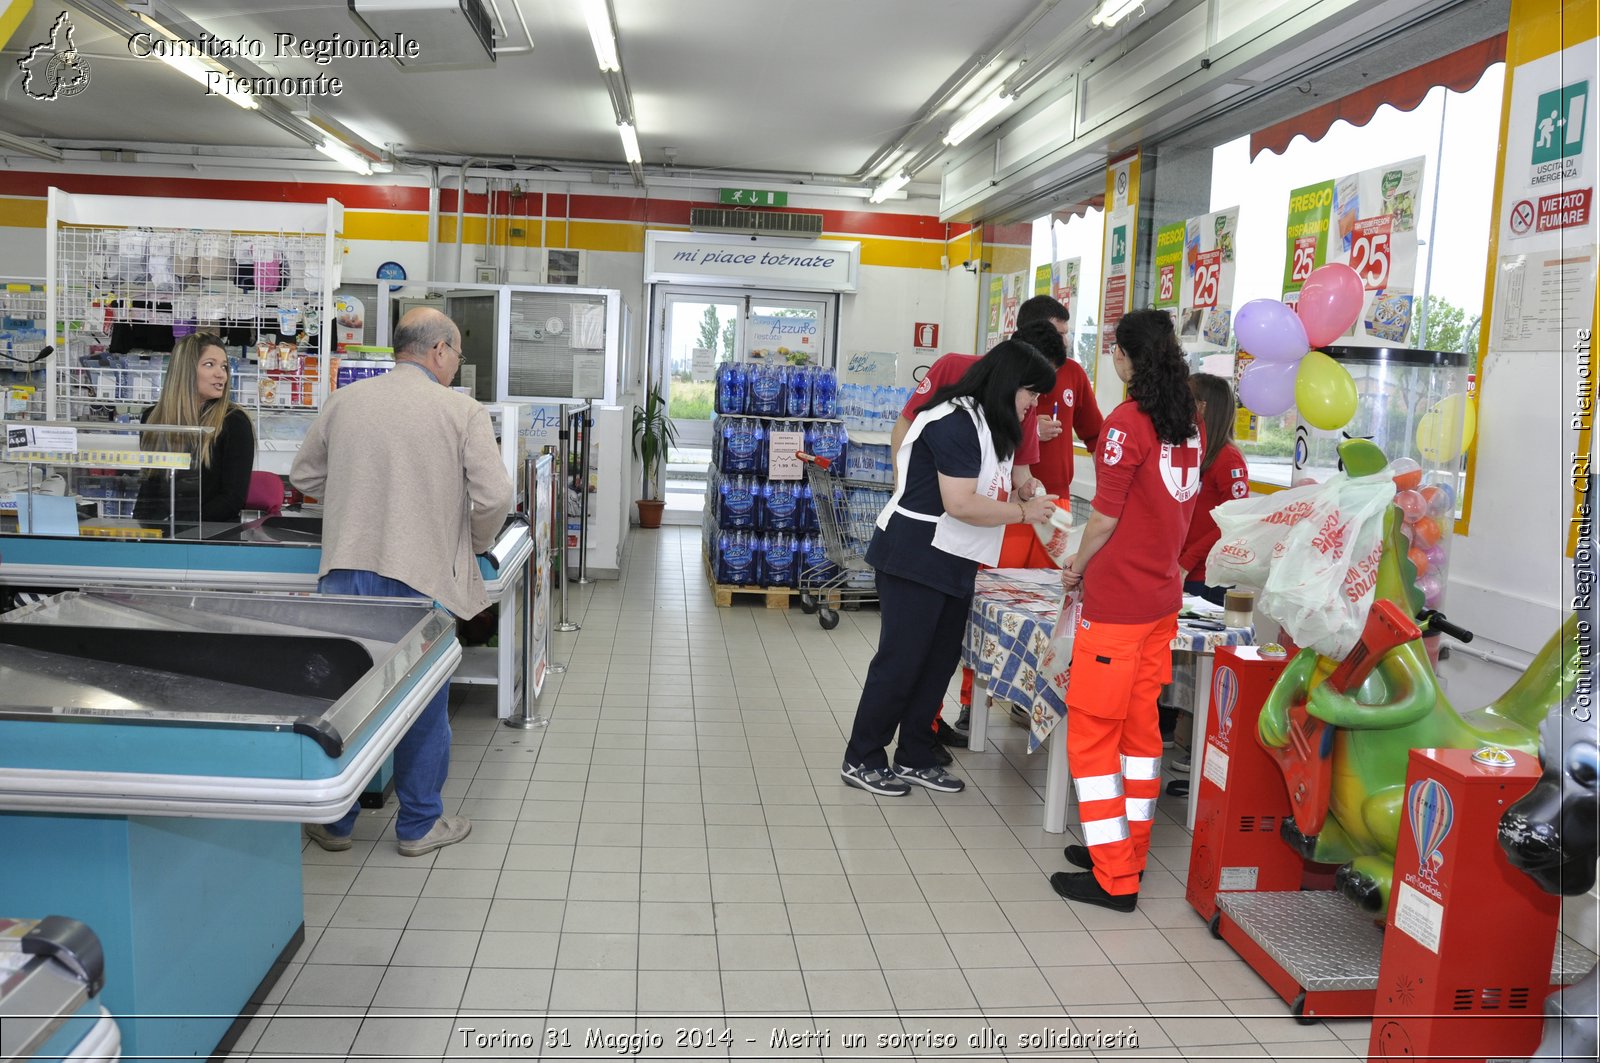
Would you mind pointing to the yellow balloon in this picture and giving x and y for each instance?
(1324, 392)
(1447, 429)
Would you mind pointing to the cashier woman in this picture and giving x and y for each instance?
(195, 393)
(946, 516)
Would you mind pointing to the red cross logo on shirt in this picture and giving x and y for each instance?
(1180, 468)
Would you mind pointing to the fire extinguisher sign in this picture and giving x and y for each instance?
(926, 335)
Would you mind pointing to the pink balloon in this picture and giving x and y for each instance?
(1267, 388)
(1270, 331)
(1330, 302)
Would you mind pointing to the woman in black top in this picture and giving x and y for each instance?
(195, 392)
(944, 519)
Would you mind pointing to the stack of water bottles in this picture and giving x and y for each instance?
(870, 408)
(762, 532)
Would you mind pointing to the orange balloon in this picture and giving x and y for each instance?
(1419, 559)
(1408, 481)
(1427, 532)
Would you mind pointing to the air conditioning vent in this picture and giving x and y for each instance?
(755, 222)
(449, 33)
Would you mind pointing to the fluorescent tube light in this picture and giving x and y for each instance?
(630, 142)
(344, 156)
(597, 13)
(889, 187)
(215, 81)
(979, 117)
(1114, 11)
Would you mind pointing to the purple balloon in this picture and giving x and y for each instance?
(1436, 555)
(1270, 331)
(1267, 388)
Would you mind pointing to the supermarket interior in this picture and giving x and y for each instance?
(921, 529)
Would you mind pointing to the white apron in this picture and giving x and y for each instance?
(994, 481)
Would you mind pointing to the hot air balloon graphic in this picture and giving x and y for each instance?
(1224, 696)
(1432, 814)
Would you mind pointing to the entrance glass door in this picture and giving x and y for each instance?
(701, 328)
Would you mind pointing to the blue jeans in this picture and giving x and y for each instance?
(422, 758)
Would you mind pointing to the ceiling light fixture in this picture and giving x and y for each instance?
(36, 148)
(346, 156)
(889, 187)
(1114, 11)
(597, 13)
(215, 81)
(977, 118)
(630, 142)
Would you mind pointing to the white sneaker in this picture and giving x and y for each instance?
(446, 830)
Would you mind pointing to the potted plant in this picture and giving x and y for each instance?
(653, 433)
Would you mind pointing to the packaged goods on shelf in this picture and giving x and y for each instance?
(869, 462)
(871, 407)
(768, 390)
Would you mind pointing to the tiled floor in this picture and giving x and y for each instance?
(676, 858)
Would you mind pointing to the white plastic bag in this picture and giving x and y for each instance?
(1321, 587)
(1059, 536)
(1253, 531)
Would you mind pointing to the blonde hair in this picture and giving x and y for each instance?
(180, 402)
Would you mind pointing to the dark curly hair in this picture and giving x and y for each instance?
(1160, 382)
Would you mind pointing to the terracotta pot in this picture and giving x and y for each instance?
(650, 512)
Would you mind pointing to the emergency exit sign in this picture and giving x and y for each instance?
(752, 197)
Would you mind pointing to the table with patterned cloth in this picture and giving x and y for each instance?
(1008, 635)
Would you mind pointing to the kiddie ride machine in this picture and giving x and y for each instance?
(1346, 840)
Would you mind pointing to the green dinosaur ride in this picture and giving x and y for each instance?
(1399, 707)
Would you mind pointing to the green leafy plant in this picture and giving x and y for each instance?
(653, 433)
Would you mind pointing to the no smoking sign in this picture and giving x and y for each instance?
(1521, 217)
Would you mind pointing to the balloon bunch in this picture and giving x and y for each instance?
(1427, 511)
(1286, 371)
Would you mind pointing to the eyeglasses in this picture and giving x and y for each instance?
(452, 347)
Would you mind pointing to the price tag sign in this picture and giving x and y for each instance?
(1305, 259)
(41, 437)
(703, 363)
(1168, 273)
(1370, 251)
(1207, 275)
(781, 461)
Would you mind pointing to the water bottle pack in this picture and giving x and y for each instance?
(736, 501)
(769, 390)
(811, 559)
(829, 441)
(741, 444)
(736, 558)
(780, 503)
(871, 407)
(777, 568)
(869, 462)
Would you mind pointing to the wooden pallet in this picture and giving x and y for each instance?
(776, 597)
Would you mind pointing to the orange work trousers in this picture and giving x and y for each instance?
(1114, 741)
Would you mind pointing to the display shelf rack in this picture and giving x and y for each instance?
(126, 269)
(23, 368)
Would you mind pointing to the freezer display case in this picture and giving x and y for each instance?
(158, 753)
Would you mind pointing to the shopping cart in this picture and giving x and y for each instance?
(846, 529)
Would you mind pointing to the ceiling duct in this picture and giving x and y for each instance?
(449, 33)
(754, 222)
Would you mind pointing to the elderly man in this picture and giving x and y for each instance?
(412, 489)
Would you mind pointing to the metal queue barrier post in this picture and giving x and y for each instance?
(559, 539)
(527, 719)
(587, 421)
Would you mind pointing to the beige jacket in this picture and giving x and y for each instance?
(411, 484)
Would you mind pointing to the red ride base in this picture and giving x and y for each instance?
(1242, 802)
(1468, 948)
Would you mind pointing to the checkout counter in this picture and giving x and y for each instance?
(81, 547)
(158, 753)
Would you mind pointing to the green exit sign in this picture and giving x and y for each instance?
(752, 197)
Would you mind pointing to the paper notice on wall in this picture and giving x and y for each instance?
(1015, 290)
(1543, 298)
(588, 326)
(1419, 917)
(588, 376)
(1216, 766)
(703, 363)
(1064, 283)
(870, 367)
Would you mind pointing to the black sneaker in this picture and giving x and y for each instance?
(934, 778)
(963, 724)
(1079, 856)
(879, 781)
(946, 735)
(1086, 889)
(942, 756)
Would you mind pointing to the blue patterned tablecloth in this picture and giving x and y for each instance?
(1008, 634)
